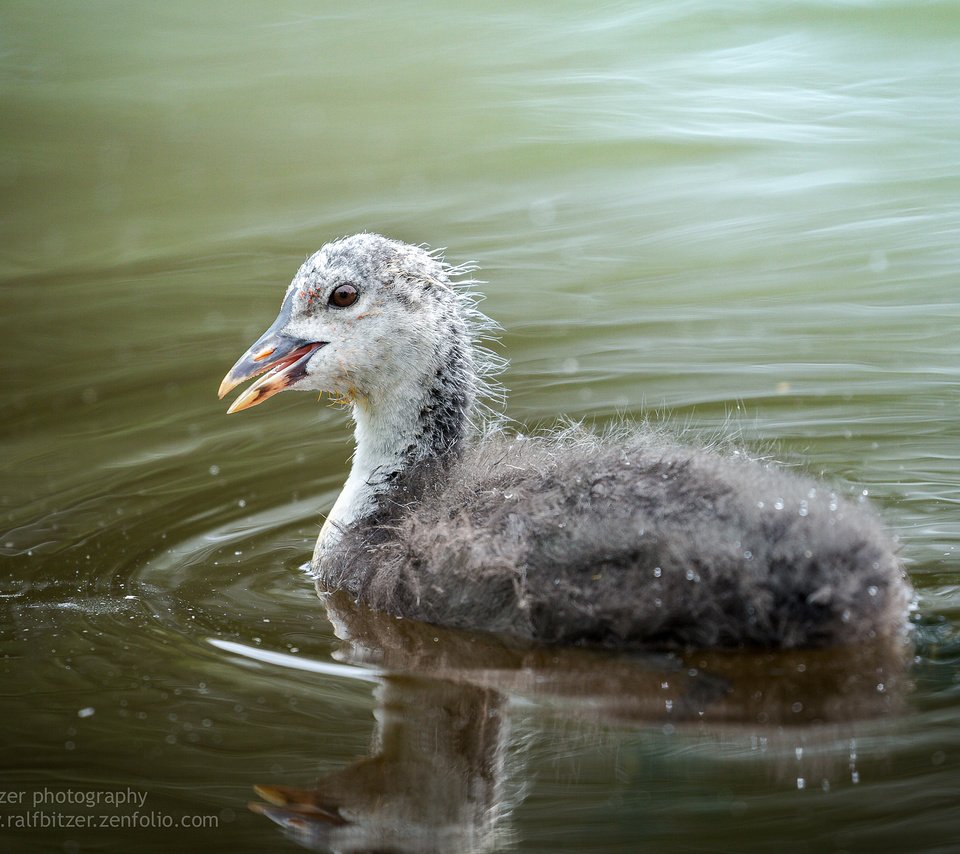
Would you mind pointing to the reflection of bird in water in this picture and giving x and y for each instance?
(451, 752)
(623, 539)
(434, 783)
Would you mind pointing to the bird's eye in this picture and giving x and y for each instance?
(343, 295)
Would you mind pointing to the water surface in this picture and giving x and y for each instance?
(743, 217)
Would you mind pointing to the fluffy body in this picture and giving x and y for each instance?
(626, 539)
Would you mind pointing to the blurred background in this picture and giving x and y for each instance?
(742, 218)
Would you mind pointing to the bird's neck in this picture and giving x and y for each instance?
(424, 420)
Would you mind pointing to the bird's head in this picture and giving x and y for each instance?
(363, 316)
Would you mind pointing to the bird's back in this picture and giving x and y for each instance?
(624, 540)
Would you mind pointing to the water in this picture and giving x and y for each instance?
(745, 216)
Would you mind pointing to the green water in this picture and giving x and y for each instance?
(744, 215)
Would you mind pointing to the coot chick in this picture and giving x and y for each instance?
(625, 539)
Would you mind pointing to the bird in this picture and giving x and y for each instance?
(626, 538)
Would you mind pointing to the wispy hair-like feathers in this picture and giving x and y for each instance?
(625, 539)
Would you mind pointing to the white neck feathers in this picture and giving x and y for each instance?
(426, 419)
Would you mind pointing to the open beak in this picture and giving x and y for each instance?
(281, 359)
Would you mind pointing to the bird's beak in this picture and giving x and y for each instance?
(281, 358)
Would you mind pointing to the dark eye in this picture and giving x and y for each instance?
(343, 295)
